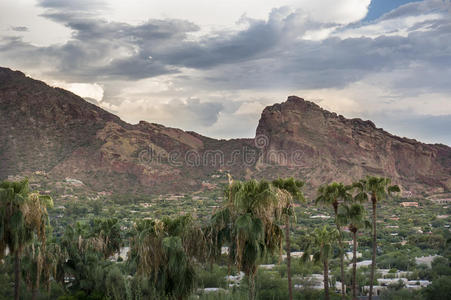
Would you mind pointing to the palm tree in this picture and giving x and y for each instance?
(14, 235)
(378, 188)
(79, 256)
(290, 190)
(332, 195)
(58, 255)
(22, 216)
(36, 218)
(30, 267)
(165, 251)
(320, 244)
(107, 235)
(248, 220)
(353, 216)
(38, 266)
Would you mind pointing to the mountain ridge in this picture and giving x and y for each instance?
(53, 130)
(332, 141)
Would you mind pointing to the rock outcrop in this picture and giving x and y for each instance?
(330, 147)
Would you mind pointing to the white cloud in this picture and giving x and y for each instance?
(85, 90)
(250, 108)
(225, 14)
(401, 26)
(333, 11)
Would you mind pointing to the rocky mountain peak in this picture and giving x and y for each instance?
(332, 147)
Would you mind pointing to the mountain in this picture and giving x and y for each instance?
(55, 132)
(58, 133)
(331, 147)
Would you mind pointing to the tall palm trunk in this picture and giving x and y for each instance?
(340, 243)
(373, 256)
(287, 237)
(16, 276)
(354, 264)
(342, 264)
(35, 286)
(251, 286)
(34, 292)
(326, 280)
(228, 274)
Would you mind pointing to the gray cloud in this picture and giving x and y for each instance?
(206, 113)
(79, 5)
(191, 114)
(430, 129)
(262, 39)
(19, 28)
(334, 63)
(267, 54)
(101, 50)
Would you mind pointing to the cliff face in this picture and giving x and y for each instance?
(331, 147)
(41, 126)
(52, 130)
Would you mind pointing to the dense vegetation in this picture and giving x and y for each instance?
(137, 247)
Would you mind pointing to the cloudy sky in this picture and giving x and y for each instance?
(212, 66)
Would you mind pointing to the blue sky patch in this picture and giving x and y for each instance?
(379, 7)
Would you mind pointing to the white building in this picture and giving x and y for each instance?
(348, 255)
(320, 217)
(397, 274)
(363, 263)
(425, 260)
(234, 280)
(267, 267)
(123, 253)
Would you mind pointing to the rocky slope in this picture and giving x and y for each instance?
(54, 131)
(330, 147)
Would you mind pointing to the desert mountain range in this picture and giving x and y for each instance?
(52, 130)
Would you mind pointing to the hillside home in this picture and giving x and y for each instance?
(409, 204)
(441, 201)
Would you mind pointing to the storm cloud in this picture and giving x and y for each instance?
(178, 69)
